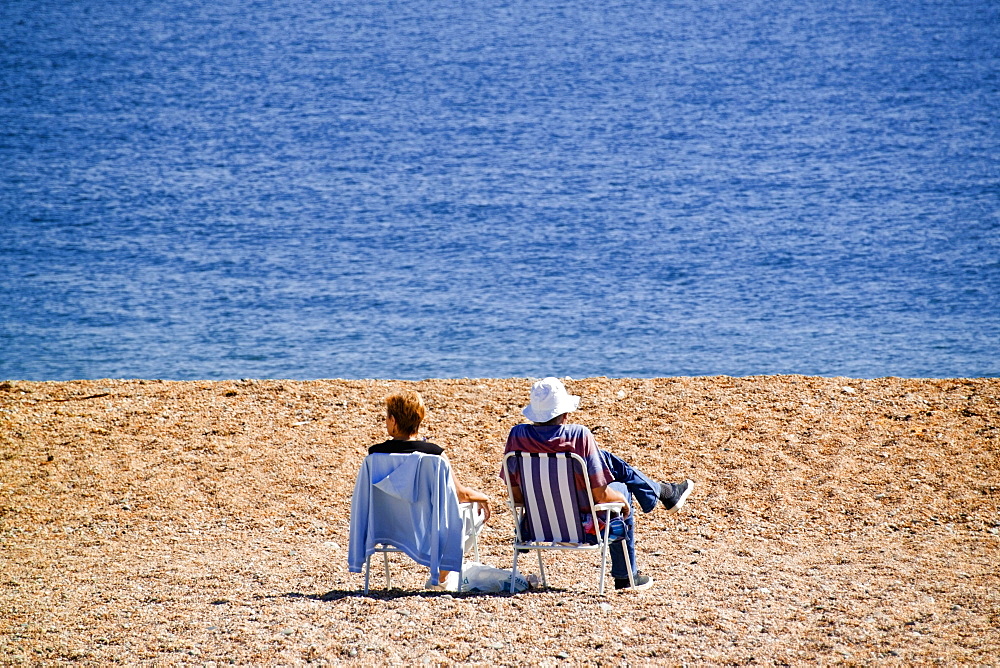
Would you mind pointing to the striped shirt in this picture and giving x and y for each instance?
(561, 438)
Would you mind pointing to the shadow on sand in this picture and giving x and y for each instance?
(395, 593)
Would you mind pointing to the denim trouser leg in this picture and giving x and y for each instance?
(618, 569)
(645, 490)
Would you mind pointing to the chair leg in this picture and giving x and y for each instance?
(541, 569)
(513, 572)
(604, 566)
(470, 527)
(368, 569)
(628, 564)
(385, 560)
(604, 561)
(605, 546)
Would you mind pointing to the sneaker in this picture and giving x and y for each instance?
(673, 496)
(641, 582)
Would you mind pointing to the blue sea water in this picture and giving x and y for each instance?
(221, 189)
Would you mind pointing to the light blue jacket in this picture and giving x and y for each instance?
(407, 501)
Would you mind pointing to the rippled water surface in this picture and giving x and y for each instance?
(312, 189)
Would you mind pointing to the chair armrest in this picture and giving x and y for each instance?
(616, 506)
(473, 508)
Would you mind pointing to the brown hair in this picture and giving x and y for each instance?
(407, 409)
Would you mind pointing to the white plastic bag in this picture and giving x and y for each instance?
(480, 577)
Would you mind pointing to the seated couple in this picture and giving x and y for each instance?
(611, 478)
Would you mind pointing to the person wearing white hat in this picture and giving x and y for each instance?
(611, 478)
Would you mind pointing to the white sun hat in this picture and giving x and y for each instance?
(549, 398)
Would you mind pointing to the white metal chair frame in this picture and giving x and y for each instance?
(603, 540)
(468, 512)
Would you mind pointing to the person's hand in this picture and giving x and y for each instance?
(470, 495)
(605, 494)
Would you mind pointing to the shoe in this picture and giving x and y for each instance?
(677, 495)
(641, 582)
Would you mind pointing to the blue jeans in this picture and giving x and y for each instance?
(631, 483)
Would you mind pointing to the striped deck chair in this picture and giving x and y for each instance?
(554, 488)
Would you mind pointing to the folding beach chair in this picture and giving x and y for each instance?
(407, 503)
(555, 492)
(472, 520)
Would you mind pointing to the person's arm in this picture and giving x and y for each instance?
(516, 491)
(469, 495)
(595, 464)
(605, 494)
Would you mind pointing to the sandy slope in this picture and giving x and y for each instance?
(834, 521)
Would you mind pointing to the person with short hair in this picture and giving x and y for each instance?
(404, 413)
(612, 479)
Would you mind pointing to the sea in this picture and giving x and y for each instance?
(301, 189)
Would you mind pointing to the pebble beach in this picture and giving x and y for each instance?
(834, 521)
